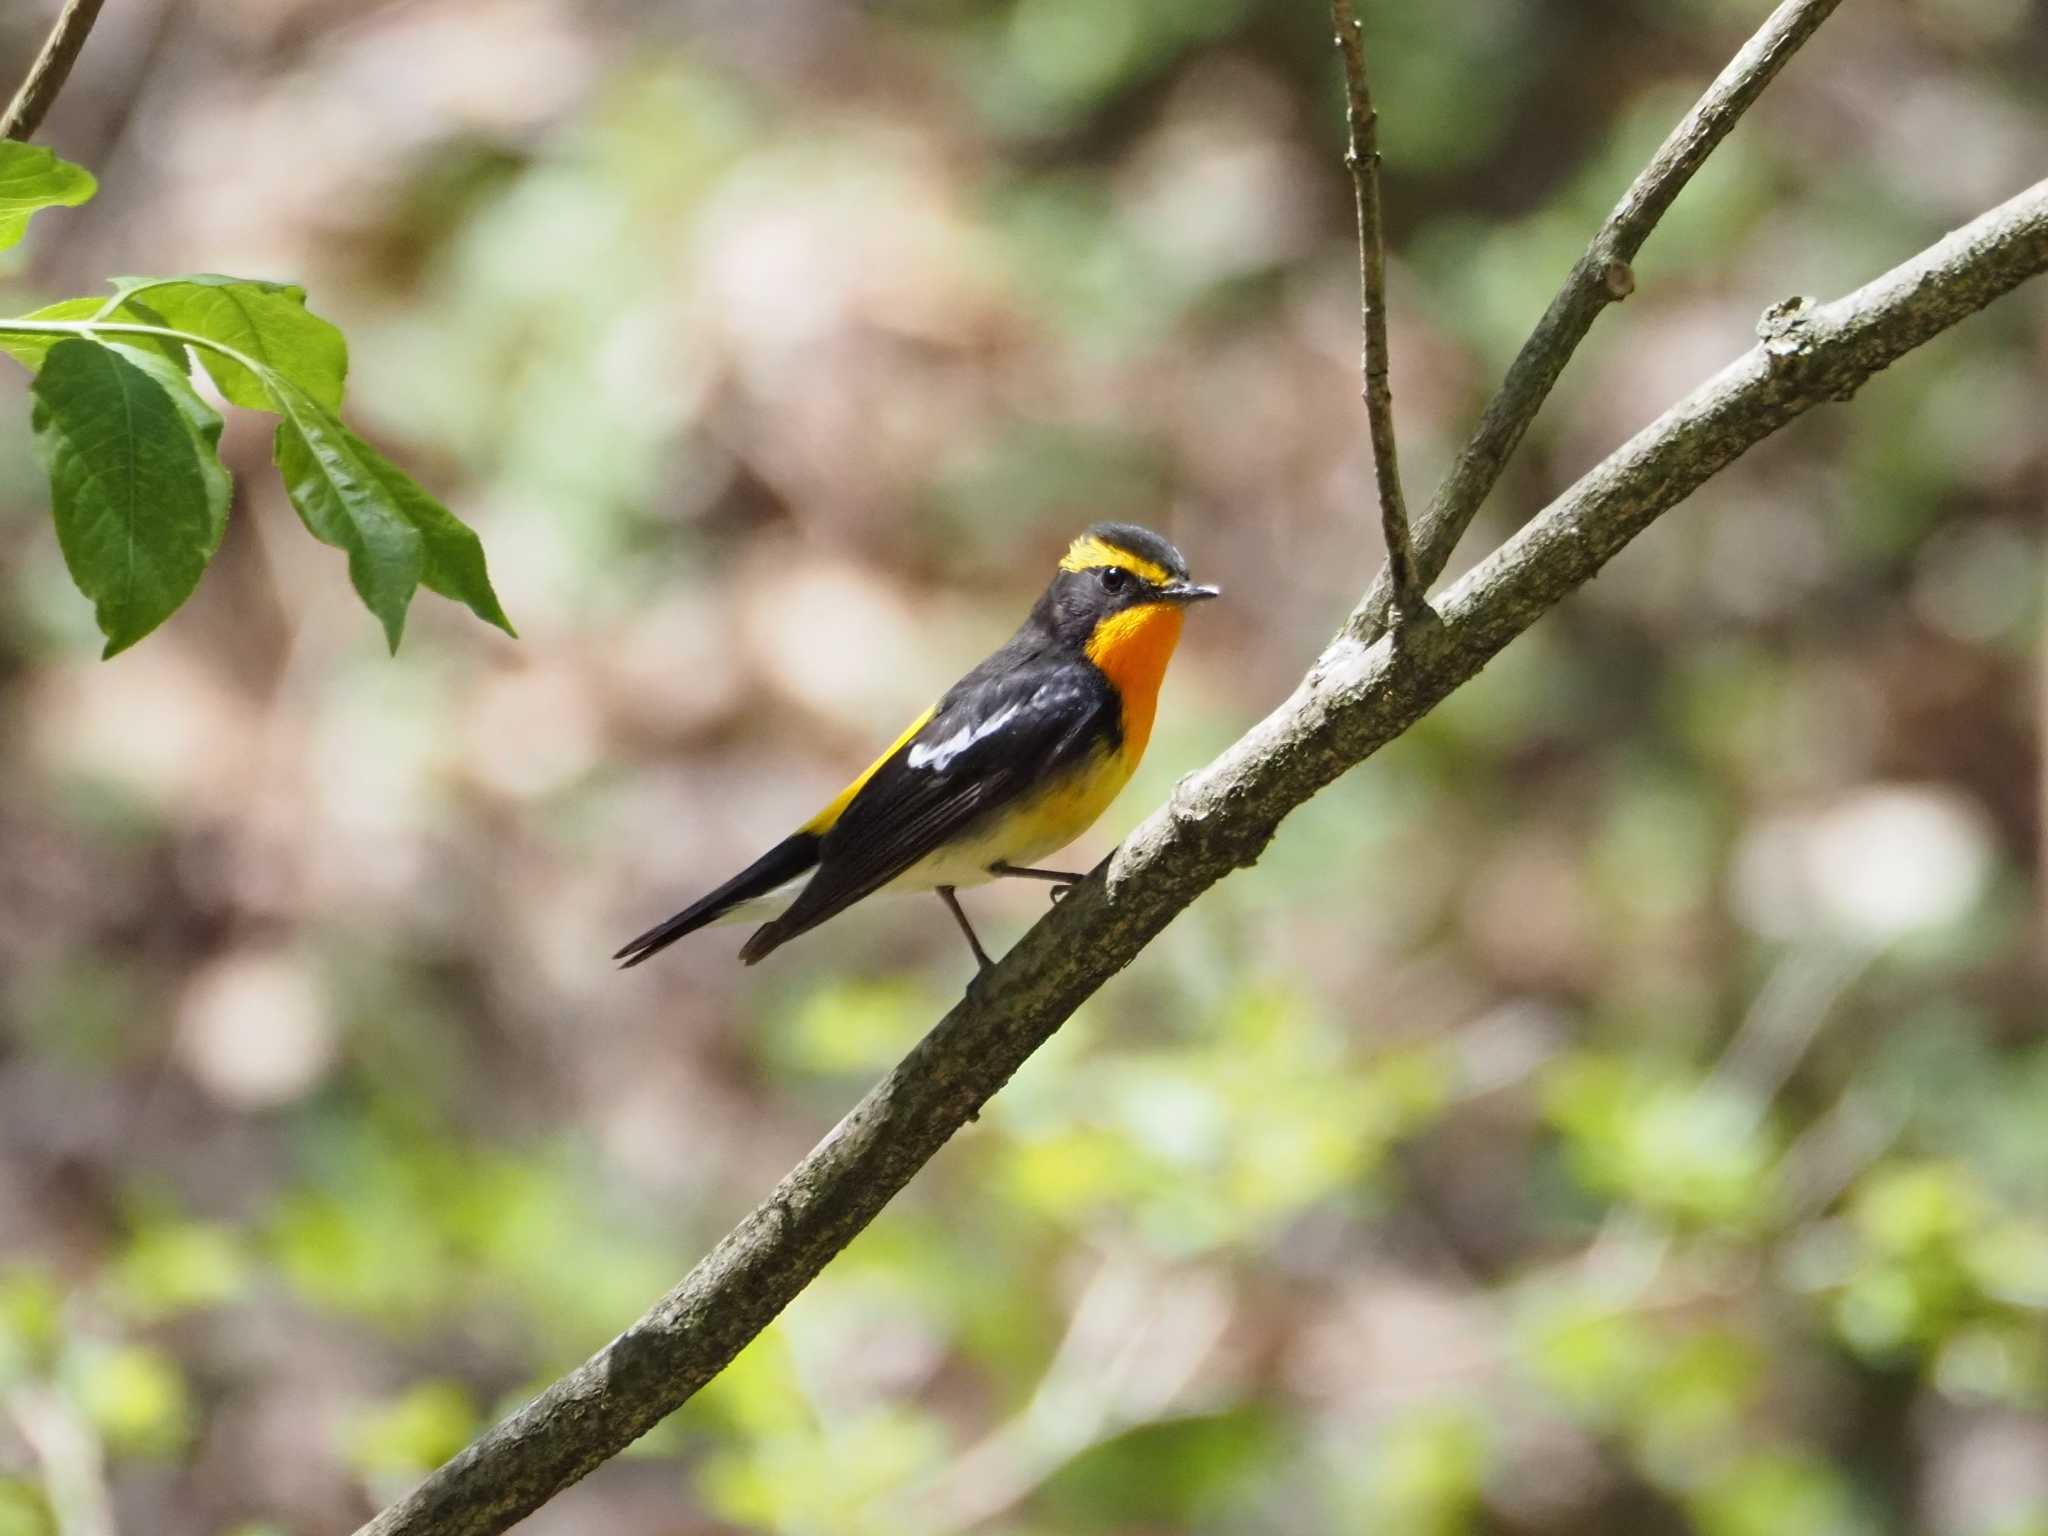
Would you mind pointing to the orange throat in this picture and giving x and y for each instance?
(1132, 649)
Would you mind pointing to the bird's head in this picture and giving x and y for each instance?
(1117, 569)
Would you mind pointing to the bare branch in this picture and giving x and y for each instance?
(1601, 277)
(1362, 157)
(51, 69)
(1356, 698)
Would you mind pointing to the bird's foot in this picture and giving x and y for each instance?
(1061, 880)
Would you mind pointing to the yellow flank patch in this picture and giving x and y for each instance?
(1132, 649)
(1041, 821)
(1088, 552)
(822, 822)
(1069, 806)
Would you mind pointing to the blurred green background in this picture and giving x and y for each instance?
(1622, 1106)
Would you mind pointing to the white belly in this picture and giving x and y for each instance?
(967, 863)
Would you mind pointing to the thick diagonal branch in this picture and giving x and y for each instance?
(52, 67)
(1602, 276)
(1356, 699)
(1362, 157)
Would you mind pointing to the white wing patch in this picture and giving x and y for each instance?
(937, 755)
(770, 903)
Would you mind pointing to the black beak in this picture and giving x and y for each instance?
(1188, 592)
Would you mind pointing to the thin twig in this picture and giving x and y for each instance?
(73, 1461)
(1602, 276)
(51, 69)
(1782, 1025)
(1355, 700)
(1831, 1152)
(1362, 158)
(1133, 1346)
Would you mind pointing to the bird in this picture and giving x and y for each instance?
(1014, 762)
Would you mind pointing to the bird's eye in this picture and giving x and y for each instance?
(1115, 579)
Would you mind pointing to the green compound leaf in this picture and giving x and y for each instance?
(138, 492)
(31, 179)
(396, 535)
(454, 554)
(30, 350)
(266, 322)
(202, 420)
(343, 501)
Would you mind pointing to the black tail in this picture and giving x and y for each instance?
(785, 861)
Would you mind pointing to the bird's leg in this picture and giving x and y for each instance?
(1062, 881)
(953, 906)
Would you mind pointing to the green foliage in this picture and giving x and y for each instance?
(1596, 1358)
(1691, 1151)
(343, 501)
(135, 1397)
(25, 1510)
(266, 322)
(30, 1323)
(31, 348)
(851, 1026)
(140, 497)
(1428, 1474)
(419, 1429)
(138, 491)
(806, 1473)
(824, 1479)
(395, 1224)
(1780, 1492)
(172, 1267)
(1213, 1144)
(1940, 1271)
(1170, 1474)
(1037, 63)
(1686, 1401)
(31, 179)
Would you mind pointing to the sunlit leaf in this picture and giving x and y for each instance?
(266, 322)
(30, 350)
(136, 1397)
(176, 1266)
(1170, 1474)
(31, 1321)
(420, 1430)
(31, 179)
(24, 1510)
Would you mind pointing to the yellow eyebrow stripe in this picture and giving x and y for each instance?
(1088, 552)
(822, 823)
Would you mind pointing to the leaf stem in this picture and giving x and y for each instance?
(51, 69)
(92, 330)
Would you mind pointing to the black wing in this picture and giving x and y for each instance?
(1004, 728)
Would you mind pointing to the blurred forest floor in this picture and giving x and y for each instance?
(1617, 1108)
